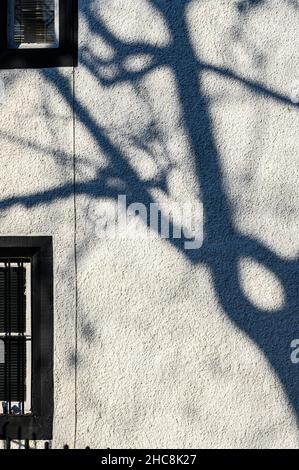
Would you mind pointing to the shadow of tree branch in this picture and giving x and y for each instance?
(224, 246)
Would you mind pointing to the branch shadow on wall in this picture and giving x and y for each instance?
(223, 246)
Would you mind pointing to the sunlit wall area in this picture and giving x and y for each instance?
(178, 334)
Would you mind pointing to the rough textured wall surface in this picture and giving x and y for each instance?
(175, 101)
(179, 101)
(36, 135)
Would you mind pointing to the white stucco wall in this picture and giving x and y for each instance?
(175, 101)
(36, 133)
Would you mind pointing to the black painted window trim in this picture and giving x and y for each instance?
(63, 56)
(37, 425)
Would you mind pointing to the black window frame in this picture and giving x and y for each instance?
(63, 56)
(39, 424)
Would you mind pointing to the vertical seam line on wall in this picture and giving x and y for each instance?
(75, 257)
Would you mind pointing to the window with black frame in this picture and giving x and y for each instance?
(33, 23)
(26, 337)
(38, 33)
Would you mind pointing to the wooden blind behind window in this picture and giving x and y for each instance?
(34, 22)
(12, 338)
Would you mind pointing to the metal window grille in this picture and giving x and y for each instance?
(33, 23)
(15, 336)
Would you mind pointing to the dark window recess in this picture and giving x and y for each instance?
(12, 297)
(26, 337)
(12, 376)
(13, 338)
(38, 33)
(33, 21)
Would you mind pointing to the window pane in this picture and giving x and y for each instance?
(15, 337)
(34, 22)
(2, 352)
(12, 299)
(13, 375)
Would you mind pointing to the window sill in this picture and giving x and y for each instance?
(37, 58)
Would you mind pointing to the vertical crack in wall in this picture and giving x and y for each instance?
(75, 255)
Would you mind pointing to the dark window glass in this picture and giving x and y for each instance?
(33, 22)
(12, 299)
(13, 338)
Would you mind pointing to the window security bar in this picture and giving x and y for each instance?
(15, 336)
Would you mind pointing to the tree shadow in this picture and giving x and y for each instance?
(224, 246)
